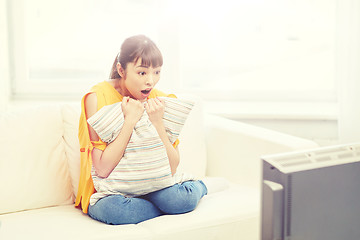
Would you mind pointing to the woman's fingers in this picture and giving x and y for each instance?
(132, 109)
(155, 109)
(154, 103)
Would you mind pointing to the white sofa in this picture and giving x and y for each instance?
(39, 171)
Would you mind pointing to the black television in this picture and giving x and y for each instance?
(312, 194)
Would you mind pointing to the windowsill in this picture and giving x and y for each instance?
(21, 104)
(274, 110)
(238, 110)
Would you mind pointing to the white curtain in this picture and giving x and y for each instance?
(348, 69)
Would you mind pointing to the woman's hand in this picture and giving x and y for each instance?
(132, 109)
(155, 109)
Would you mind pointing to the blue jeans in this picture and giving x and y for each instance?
(177, 199)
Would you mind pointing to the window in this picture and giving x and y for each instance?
(259, 49)
(232, 50)
(61, 48)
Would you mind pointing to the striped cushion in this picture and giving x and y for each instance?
(144, 167)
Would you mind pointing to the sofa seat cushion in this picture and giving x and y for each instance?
(226, 213)
(64, 222)
(233, 213)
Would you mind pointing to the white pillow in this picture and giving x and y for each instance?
(192, 140)
(71, 115)
(144, 167)
(192, 147)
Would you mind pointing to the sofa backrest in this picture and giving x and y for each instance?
(33, 168)
(40, 158)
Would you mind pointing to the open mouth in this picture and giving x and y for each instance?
(146, 91)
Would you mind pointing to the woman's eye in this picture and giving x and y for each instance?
(142, 73)
(157, 72)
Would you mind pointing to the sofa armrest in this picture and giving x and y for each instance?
(234, 149)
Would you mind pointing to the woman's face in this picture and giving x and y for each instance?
(139, 80)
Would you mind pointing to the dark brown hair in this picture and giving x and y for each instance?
(132, 49)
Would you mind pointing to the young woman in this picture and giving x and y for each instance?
(134, 74)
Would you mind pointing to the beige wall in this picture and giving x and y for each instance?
(4, 58)
(348, 70)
